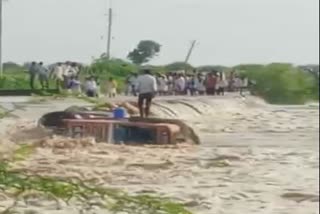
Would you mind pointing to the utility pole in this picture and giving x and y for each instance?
(109, 33)
(189, 53)
(1, 66)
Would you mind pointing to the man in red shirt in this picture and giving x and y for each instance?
(211, 82)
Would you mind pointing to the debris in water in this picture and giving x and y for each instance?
(63, 143)
(300, 197)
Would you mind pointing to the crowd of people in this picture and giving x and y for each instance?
(146, 86)
(198, 83)
(62, 73)
(66, 77)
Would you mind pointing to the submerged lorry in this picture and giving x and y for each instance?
(106, 127)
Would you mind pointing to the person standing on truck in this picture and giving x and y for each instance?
(147, 88)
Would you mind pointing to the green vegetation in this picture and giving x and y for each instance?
(18, 79)
(23, 152)
(115, 200)
(115, 68)
(14, 81)
(282, 83)
(276, 83)
(144, 52)
(18, 184)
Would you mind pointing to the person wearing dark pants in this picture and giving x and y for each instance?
(32, 78)
(147, 88)
(221, 84)
(211, 82)
(211, 91)
(44, 82)
(220, 91)
(146, 99)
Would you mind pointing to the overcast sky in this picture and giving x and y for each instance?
(228, 32)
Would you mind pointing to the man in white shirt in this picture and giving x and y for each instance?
(200, 84)
(162, 85)
(73, 70)
(147, 88)
(91, 87)
(133, 84)
(57, 74)
(180, 84)
(65, 74)
(43, 76)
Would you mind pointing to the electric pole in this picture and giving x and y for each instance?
(109, 33)
(189, 53)
(1, 66)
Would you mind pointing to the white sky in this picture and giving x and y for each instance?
(229, 31)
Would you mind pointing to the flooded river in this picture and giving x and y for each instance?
(254, 157)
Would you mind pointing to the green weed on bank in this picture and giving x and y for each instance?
(115, 200)
(18, 184)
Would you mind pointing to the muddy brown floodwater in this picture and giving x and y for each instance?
(254, 158)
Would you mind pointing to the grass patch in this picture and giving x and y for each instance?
(23, 152)
(115, 200)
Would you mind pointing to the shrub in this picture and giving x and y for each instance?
(14, 81)
(115, 68)
(282, 83)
